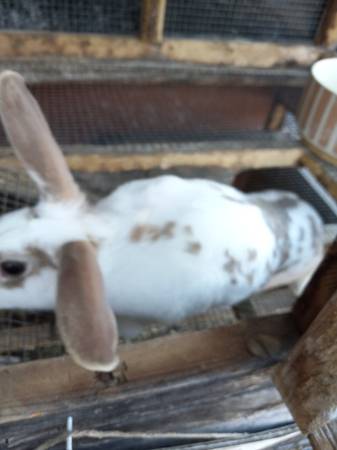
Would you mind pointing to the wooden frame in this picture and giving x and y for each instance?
(102, 159)
(327, 32)
(160, 372)
(153, 20)
(235, 53)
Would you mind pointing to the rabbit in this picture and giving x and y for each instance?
(157, 249)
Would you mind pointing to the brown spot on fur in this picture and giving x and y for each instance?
(193, 248)
(41, 257)
(152, 232)
(167, 230)
(252, 254)
(137, 233)
(232, 264)
(229, 266)
(250, 277)
(188, 230)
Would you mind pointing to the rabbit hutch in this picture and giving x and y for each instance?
(201, 89)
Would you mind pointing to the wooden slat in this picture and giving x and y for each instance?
(190, 382)
(308, 379)
(325, 438)
(319, 290)
(230, 159)
(327, 32)
(153, 20)
(239, 53)
(235, 53)
(25, 386)
(64, 69)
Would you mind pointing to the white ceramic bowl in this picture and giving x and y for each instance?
(317, 115)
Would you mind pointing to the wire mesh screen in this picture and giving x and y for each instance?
(110, 113)
(287, 20)
(80, 16)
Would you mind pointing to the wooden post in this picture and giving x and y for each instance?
(319, 290)
(153, 20)
(327, 32)
(308, 379)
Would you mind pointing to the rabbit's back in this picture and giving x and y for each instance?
(179, 246)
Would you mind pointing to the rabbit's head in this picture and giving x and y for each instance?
(47, 245)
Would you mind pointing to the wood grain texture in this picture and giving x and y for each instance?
(319, 290)
(201, 381)
(230, 159)
(308, 379)
(153, 20)
(239, 53)
(236, 53)
(58, 380)
(60, 68)
(325, 438)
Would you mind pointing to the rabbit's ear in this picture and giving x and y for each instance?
(32, 140)
(85, 321)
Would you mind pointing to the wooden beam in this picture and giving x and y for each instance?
(327, 32)
(308, 379)
(229, 159)
(153, 20)
(239, 53)
(235, 53)
(319, 291)
(64, 69)
(26, 389)
(37, 44)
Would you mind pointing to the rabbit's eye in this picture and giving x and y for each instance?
(13, 268)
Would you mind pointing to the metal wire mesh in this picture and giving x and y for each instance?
(294, 179)
(80, 16)
(104, 113)
(267, 19)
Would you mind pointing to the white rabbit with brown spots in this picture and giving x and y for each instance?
(156, 249)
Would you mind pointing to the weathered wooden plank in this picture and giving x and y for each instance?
(58, 379)
(205, 381)
(239, 53)
(153, 20)
(319, 290)
(236, 53)
(63, 69)
(227, 402)
(308, 379)
(284, 438)
(325, 438)
(229, 159)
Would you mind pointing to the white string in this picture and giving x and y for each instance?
(69, 433)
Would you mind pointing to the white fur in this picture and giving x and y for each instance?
(159, 279)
